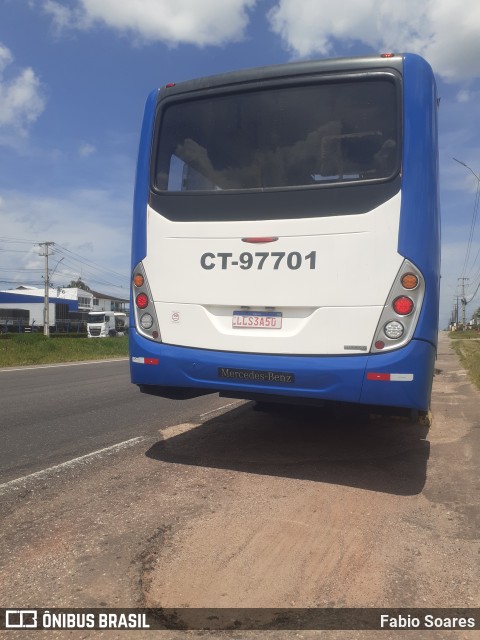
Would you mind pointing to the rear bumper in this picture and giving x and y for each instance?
(401, 378)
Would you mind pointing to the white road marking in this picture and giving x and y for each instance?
(167, 432)
(63, 364)
(70, 463)
(237, 403)
(178, 429)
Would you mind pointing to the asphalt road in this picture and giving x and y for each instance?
(56, 413)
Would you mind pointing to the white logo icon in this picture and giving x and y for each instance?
(21, 619)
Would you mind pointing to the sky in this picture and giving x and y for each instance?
(74, 77)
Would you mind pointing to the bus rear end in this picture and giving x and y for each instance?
(285, 235)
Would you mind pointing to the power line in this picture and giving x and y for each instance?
(17, 269)
(17, 240)
(13, 251)
(64, 251)
(474, 262)
(474, 217)
(90, 274)
(78, 264)
(472, 228)
(27, 282)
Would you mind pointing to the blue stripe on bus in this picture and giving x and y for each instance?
(142, 188)
(419, 235)
(142, 182)
(337, 378)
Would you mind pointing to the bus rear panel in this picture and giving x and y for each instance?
(286, 235)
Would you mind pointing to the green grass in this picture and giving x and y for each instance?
(31, 349)
(464, 335)
(468, 349)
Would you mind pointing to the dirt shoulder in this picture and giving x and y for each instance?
(248, 509)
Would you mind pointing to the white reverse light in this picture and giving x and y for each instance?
(394, 330)
(146, 321)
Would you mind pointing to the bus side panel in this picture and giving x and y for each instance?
(142, 187)
(419, 235)
(401, 378)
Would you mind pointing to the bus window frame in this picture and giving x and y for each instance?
(166, 101)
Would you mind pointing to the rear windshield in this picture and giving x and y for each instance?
(316, 134)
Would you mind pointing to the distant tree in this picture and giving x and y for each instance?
(79, 284)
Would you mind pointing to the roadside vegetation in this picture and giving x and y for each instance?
(31, 349)
(467, 345)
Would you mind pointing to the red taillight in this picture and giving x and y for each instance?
(260, 240)
(142, 301)
(403, 305)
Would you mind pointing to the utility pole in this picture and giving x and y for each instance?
(453, 317)
(463, 301)
(46, 304)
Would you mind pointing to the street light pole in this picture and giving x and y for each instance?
(469, 168)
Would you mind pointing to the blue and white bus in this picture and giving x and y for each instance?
(286, 235)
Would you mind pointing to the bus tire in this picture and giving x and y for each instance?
(422, 418)
(112, 333)
(425, 419)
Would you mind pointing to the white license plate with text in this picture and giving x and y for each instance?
(257, 320)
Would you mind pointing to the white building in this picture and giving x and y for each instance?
(32, 300)
(83, 298)
(104, 302)
(65, 303)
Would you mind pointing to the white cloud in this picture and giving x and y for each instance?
(93, 223)
(445, 33)
(62, 16)
(21, 99)
(86, 150)
(5, 57)
(464, 95)
(204, 22)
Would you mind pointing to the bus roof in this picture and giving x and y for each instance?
(292, 69)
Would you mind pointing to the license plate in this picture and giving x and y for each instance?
(257, 320)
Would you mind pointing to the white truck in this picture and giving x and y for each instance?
(104, 324)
